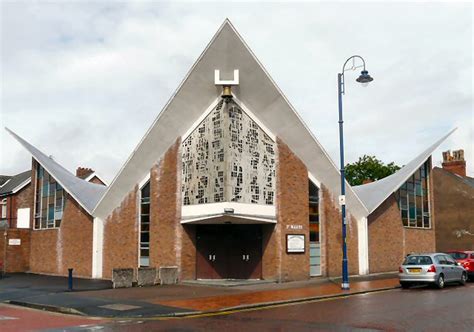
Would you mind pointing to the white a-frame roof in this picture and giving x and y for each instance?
(375, 193)
(85, 193)
(257, 91)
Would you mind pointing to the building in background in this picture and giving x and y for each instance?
(454, 203)
(15, 216)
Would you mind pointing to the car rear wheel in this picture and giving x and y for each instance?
(440, 281)
(405, 285)
(463, 278)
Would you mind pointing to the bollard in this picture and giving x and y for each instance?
(69, 280)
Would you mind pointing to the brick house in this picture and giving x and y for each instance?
(454, 203)
(15, 210)
(229, 183)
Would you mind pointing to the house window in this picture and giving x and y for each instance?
(3, 207)
(414, 199)
(145, 225)
(49, 201)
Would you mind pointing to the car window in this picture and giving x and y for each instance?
(440, 259)
(472, 256)
(417, 260)
(458, 255)
(450, 260)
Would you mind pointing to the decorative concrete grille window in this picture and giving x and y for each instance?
(414, 199)
(228, 158)
(145, 225)
(49, 201)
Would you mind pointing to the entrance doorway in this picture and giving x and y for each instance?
(229, 252)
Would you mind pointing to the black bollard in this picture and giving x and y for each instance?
(69, 280)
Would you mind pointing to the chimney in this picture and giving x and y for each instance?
(455, 162)
(83, 172)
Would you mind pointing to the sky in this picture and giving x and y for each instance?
(83, 81)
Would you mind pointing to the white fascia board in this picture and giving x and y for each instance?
(94, 174)
(198, 210)
(172, 97)
(97, 247)
(314, 180)
(21, 185)
(223, 218)
(144, 181)
(5, 182)
(363, 245)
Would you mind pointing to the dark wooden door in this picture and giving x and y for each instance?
(207, 254)
(229, 252)
(246, 252)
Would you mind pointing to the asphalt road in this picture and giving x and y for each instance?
(420, 309)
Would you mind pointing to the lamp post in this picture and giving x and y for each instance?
(364, 79)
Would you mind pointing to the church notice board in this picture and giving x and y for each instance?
(295, 243)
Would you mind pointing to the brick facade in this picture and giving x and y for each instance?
(390, 241)
(53, 251)
(121, 236)
(15, 257)
(454, 208)
(292, 209)
(332, 238)
(171, 244)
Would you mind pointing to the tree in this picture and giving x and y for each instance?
(368, 168)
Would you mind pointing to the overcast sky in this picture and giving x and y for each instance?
(84, 81)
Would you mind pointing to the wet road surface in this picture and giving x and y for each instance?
(419, 309)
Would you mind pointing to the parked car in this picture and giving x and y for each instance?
(433, 269)
(466, 259)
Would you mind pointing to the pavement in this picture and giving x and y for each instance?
(96, 298)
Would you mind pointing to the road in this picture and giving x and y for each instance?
(420, 309)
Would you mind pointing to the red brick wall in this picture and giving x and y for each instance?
(332, 238)
(386, 249)
(292, 209)
(390, 241)
(121, 236)
(454, 208)
(15, 256)
(53, 251)
(170, 243)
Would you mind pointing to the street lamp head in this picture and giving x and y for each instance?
(364, 78)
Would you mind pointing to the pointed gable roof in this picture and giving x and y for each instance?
(257, 91)
(85, 193)
(375, 193)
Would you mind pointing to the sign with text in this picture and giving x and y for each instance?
(14, 242)
(295, 243)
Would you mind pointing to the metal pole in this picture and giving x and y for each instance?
(345, 274)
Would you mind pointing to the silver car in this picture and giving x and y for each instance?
(435, 269)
